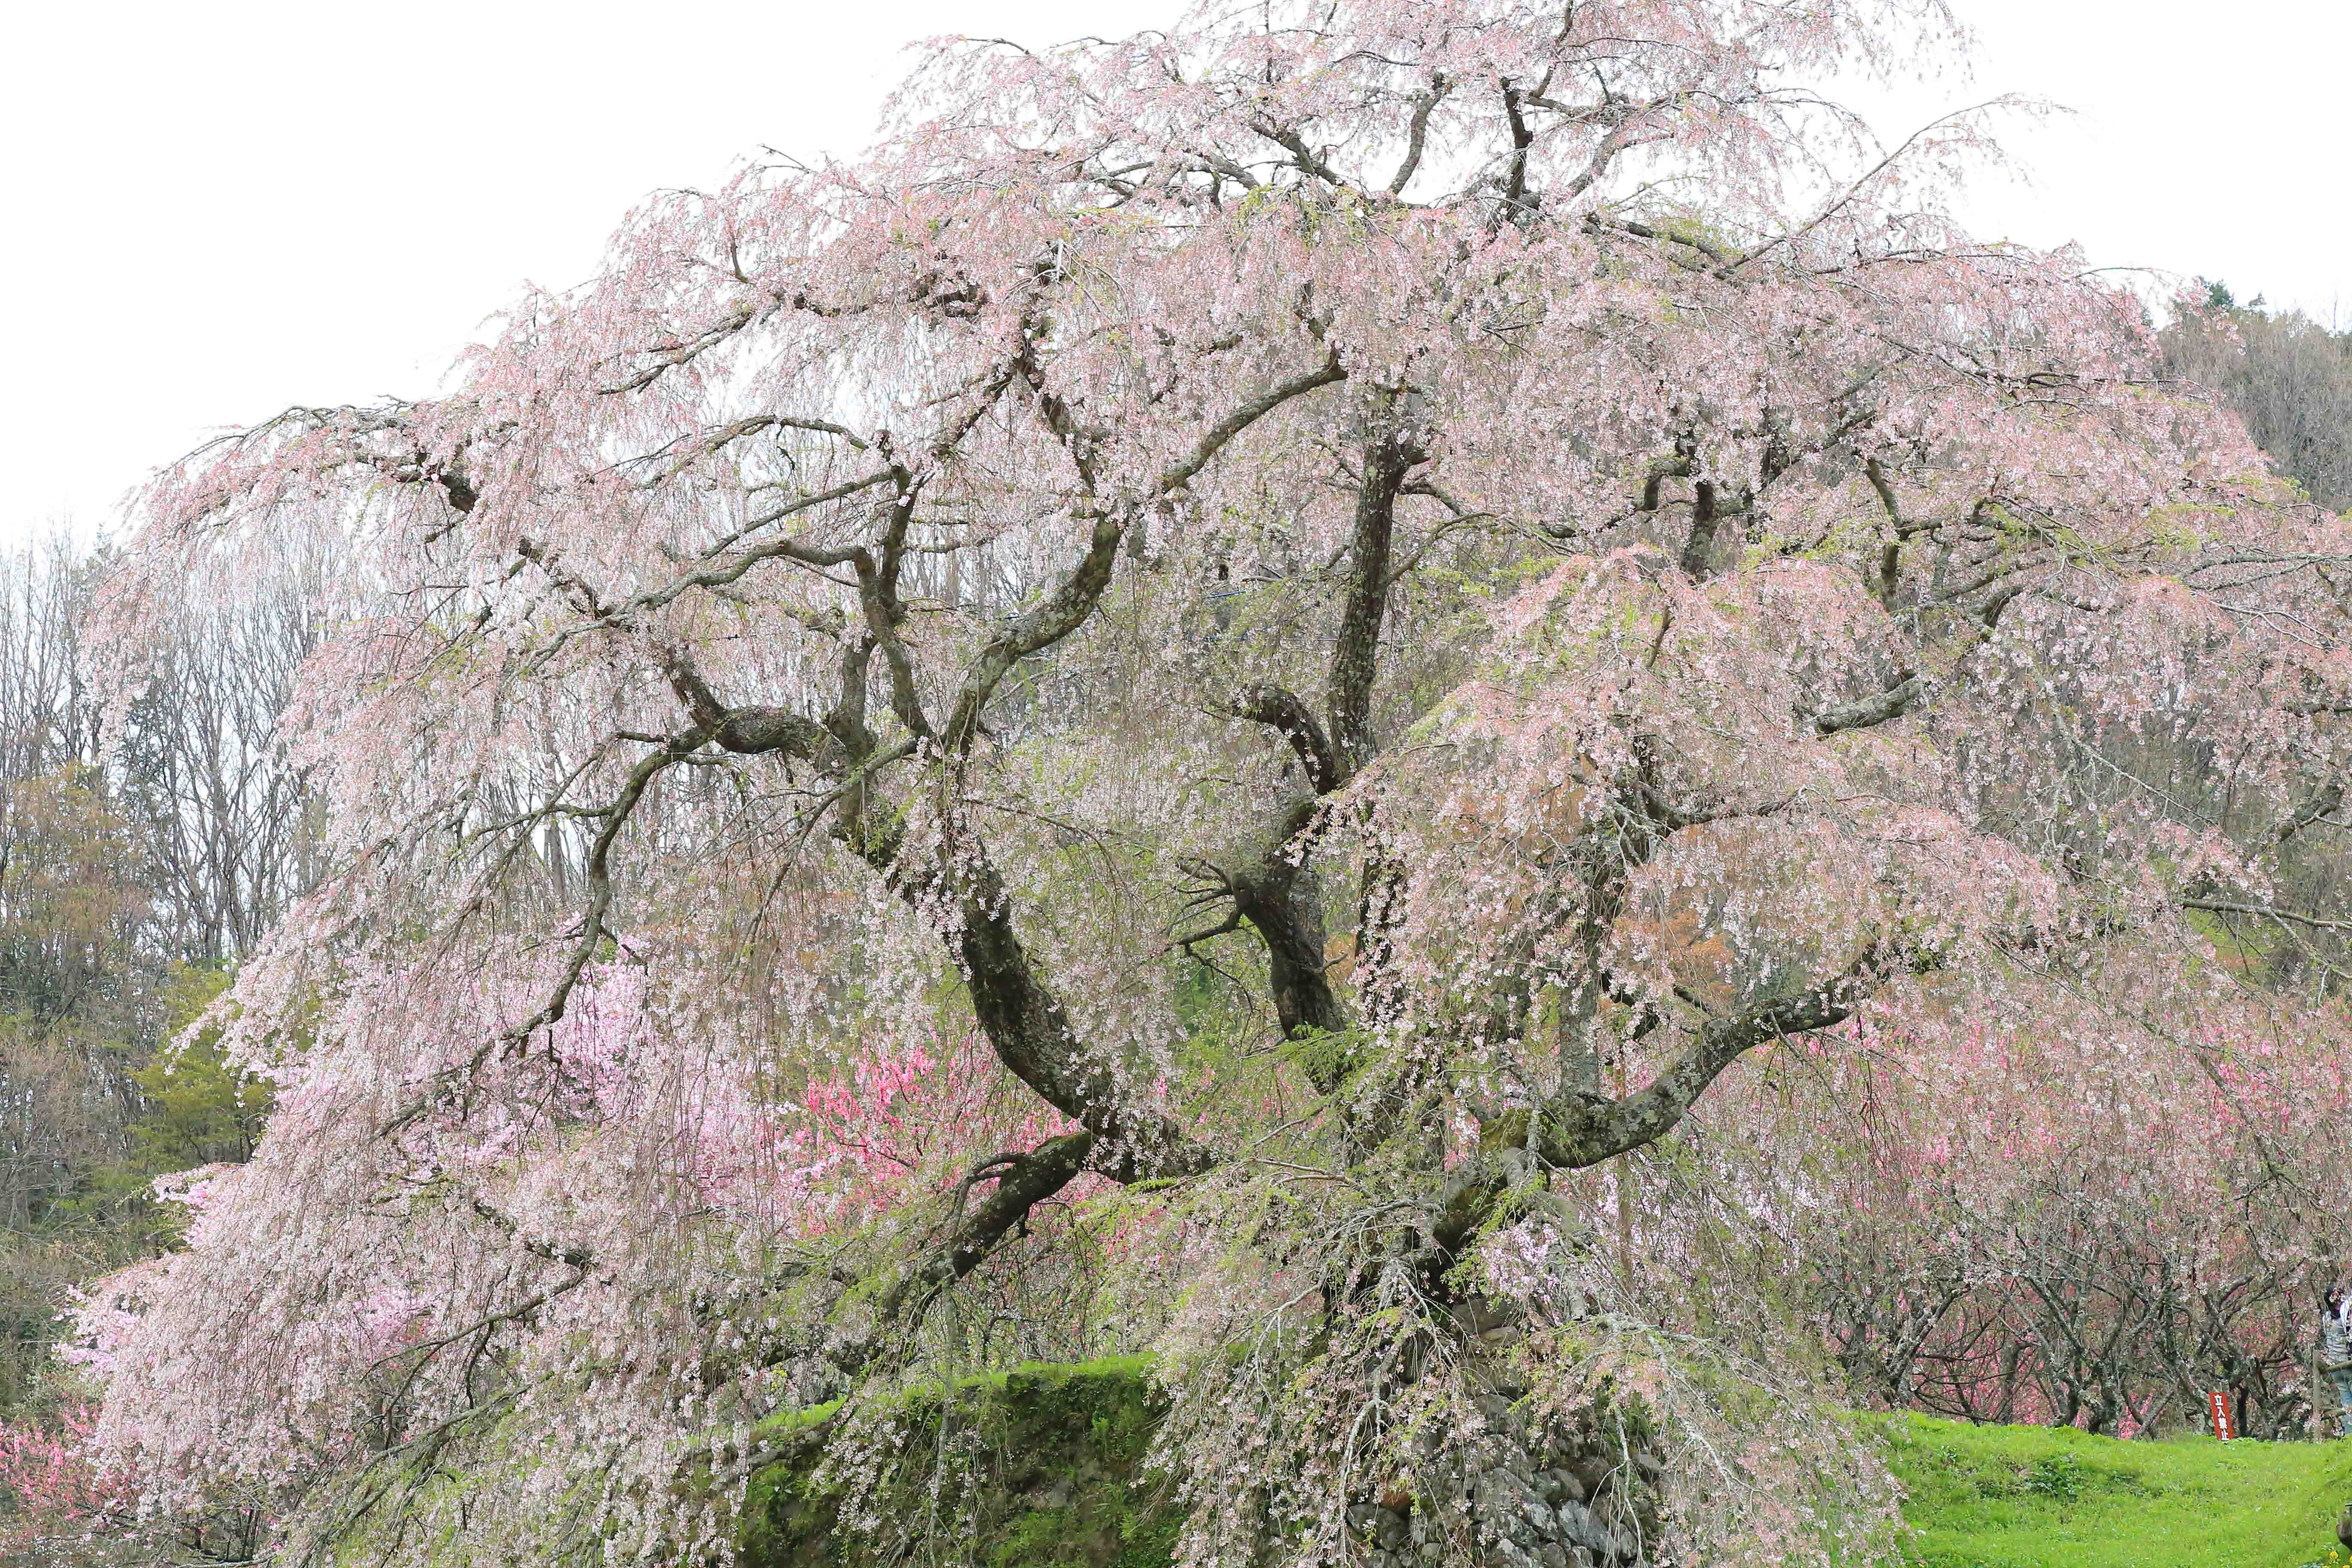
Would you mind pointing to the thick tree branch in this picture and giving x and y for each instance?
(1909, 689)
(1287, 715)
(1890, 554)
(1698, 547)
(1575, 1135)
(1878, 708)
(1030, 1030)
(2264, 911)
(1215, 440)
(1276, 895)
(2316, 807)
(878, 596)
(748, 731)
(1022, 1182)
(1417, 133)
(1355, 650)
(1304, 158)
(720, 569)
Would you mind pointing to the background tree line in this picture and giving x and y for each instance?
(2288, 376)
(134, 868)
(2066, 1270)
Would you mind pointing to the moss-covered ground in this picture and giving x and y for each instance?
(1038, 1468)
(2034, 1497)
(1048, 1471)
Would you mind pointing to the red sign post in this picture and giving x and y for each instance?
(2219, 1403)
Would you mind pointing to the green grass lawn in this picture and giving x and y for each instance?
(2032, 1497)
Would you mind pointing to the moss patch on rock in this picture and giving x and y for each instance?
(1040, 1466)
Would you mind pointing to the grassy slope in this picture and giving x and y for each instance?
(1060, 1485)
(2029, 1497)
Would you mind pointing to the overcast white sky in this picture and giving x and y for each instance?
(214, 210)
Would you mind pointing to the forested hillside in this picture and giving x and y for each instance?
(134, 870)
(1433, 725)
(2287, 376)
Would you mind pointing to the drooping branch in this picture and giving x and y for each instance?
(1022, 1182)
(719, 568)
(931, 291)
(1030, 1030)
(1073, 599)
(593, 929)
(1573, 1135)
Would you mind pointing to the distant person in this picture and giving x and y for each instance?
(2336, 1353)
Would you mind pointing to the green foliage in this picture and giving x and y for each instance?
(1328, 1058)
(69, 905)
(199, 1109)
(2056, 1476)
(195, 1109)
(2037, 1497)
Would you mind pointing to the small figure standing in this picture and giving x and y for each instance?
(2336, 1353)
